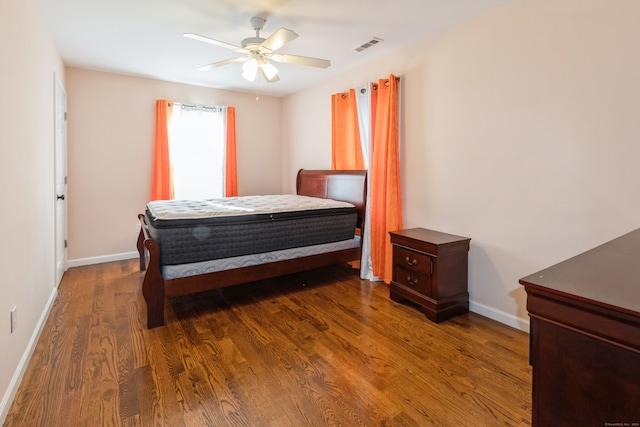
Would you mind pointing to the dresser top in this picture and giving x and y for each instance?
(607, 275)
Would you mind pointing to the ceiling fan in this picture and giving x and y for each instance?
(259, 52)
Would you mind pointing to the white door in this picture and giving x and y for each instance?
(60, 142)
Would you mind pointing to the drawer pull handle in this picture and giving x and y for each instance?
(411, 261)
(412, 282)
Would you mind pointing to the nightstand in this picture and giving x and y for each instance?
(430, 269)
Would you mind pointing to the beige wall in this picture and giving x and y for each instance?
(111, 131)
(29, 61)
(520, 131)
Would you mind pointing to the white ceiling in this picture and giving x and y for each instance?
(144, 37)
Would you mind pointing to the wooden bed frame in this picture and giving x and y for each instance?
(348, 186)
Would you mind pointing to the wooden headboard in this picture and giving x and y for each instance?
(347, 186)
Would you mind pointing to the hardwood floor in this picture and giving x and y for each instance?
(317, 348)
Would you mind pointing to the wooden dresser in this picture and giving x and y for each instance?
(585, 337)
(430, 269)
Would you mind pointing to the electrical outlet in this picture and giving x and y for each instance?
(14, 318)
(138, 227)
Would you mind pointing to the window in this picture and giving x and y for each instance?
(197, 151)
(202, 154)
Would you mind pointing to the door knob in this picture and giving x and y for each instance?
(60, 197)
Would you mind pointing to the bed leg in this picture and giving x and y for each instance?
(153, 287)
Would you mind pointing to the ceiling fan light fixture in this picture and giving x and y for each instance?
(250, 69)
(269, 70)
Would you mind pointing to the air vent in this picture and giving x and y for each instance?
(374, 41)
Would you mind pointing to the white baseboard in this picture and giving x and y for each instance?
(10, 394)
(500, 316)
(100, 259)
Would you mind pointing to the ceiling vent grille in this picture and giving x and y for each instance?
(374, 41)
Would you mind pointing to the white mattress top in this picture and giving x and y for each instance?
(243, 205)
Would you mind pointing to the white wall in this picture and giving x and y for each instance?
(29, 61)
(520, 131)
(111, 133)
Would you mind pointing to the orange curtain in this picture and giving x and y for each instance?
(386, 201)
(346, 152)
(231, 173)
(162, 183)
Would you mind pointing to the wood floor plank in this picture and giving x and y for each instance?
(318, 348)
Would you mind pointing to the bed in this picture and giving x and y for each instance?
(187, 247)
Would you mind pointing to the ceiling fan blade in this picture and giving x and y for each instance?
(214, 42)
(301, 60)
(221, 63)
(279, 39)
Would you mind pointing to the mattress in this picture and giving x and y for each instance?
(189, 231)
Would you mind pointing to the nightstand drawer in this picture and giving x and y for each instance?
(411, 260)
(419, 281)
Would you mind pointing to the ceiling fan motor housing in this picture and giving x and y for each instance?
(252, 42)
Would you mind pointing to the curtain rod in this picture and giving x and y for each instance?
(198, 107)
(363, 89)
(375, 85)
